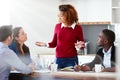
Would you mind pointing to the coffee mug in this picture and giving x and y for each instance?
(98, 67)
(54, 67)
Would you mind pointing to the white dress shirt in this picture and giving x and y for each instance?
(107, 58)
(73, 25)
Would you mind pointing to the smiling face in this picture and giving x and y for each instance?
(61, 17)
(22, 36)
(67, 14)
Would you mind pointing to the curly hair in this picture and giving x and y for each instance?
(69, 13)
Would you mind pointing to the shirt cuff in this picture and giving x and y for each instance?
(47, 45)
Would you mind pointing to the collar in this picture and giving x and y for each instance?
(73, 25)
(2, 44)
(108, 52)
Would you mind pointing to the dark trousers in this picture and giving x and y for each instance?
(66, 62)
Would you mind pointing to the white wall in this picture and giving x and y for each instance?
(92, 10)
(38, 18)
(4, 12)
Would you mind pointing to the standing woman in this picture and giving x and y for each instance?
(67, 34)
(18, 45)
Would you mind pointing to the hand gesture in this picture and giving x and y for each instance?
(80, 44)
(42, 44)
(32, 66)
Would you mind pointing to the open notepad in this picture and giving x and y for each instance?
(70, 68)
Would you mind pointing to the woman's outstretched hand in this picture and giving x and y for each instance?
(41, 44)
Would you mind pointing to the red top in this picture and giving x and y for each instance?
(64, 40)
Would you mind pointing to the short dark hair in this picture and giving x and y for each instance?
(110, 35)
(5, 31)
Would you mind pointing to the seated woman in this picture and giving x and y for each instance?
(18, 46)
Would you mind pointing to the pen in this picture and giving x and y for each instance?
(75, 63)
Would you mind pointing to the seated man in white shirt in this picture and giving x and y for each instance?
(105, 55)
(8, 58)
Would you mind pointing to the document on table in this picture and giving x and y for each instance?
(14, 71)
(42, 71)
(70, 68)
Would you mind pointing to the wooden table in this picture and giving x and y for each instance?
(76, 75)
(64, 75)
